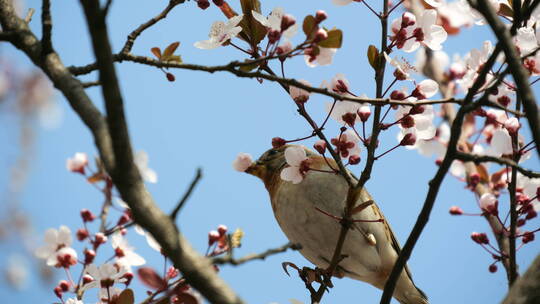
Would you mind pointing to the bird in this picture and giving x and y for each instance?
(303, 208)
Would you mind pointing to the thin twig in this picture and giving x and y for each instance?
(185, 197)
(251, 257)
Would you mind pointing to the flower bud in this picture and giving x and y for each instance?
(274, 36)
(89, 256)
(354, 159)
(100, 238)
(213, 236)
(492, 268)
(512, 125)
(286, 22)
(278, 142)
(170, 77)
(479, 238)
(364, 112)
(64, 285)
(58, 291)
(124, 219)
(203, 4)
(87, 279)
(320, 16)
(128, 276)
(397, 95)
(320, 146)
(531, 214)
(82, 234)
(521, 222)
(222, 229)
(408, 140)
(527, 237)
(87, 215)
(407, 122)
(349, 118)
(320, 35)
(455, 210)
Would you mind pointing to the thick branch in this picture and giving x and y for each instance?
(519, 73)
(526, 290)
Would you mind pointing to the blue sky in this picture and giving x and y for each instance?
(204, 120)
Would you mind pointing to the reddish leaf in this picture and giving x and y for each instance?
(156, 51)
(170, 49)
(289, 264)
(126, 297)
(185, 298)
(309, 26)
(150, 278)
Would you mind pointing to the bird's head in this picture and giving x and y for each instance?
(269, 163)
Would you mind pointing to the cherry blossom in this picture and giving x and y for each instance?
(338, 84)
(274, 22)
(104, 276)
(325, 57)
(73, 301)
(488, 203)
(125, 254)
(57, 251)
(242, 162)
(425, 89)
(141, 161)
(299, 95)
(346, 144)
(501, 143)
(427, 32)
(298, 162)
(403, 68)
(525, 40)
(221, 32)
(419, 123)
(77, 163)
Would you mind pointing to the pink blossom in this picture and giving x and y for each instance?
(57, 250)
(488, 203)
(346, 144)
(125, 254)
(77, 163)
(242, 162)
(221, 32)
(426, 89)
(299, 95)
(512, 125)
(324, 57)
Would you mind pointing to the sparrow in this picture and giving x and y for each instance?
(302, 210)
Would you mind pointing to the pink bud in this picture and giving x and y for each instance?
(213, 236)
(278, 142)
(64, 285)
(124, 219)
(364, 112)
(407, 122)
(397, 95)
(455, 210)
(172, 273)
(203, 4)
(82, 234)
(408, 140)
(286, 22)
(520, 222)
(320, 35)
(527, 237)
(354, 159)
(320, 16)
(58, 292)
(320, 146)
(407, 19)
(488, 203)
(87, 215)
(479, 238)
(89, 256)
(531, 214)
(222, 229)
(349, 118)
(512, 125)
(87, 279)
(100, 238)
(492, 268)
(170, 77)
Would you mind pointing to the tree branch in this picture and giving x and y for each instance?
(46, 28)
(196, 269)
(187, 194)
(501, 161)
(251, 257)
(519, 74)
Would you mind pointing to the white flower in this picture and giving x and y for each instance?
(457, 13)
(104, 276)
(77, 163)
(73, 301)
(434, 3)
(341, 2)
(125, 253)
(427, 33)
(426, 89)
(55, 241)
(296, 158)
(341, 108)
(141, 161)
(501, 143)
(242, 162)
(299, 95)
(457, 169)
(422, 123)
(274, 21)
(402, 67)
(525, 40)
(324, 57)
(488, 202)
(220, 32)
(346, 144)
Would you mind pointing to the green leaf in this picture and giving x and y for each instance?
(334, 40)
(126, 297)
(309, 26)
(373, 56)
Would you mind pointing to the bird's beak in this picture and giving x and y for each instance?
(257, 169)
